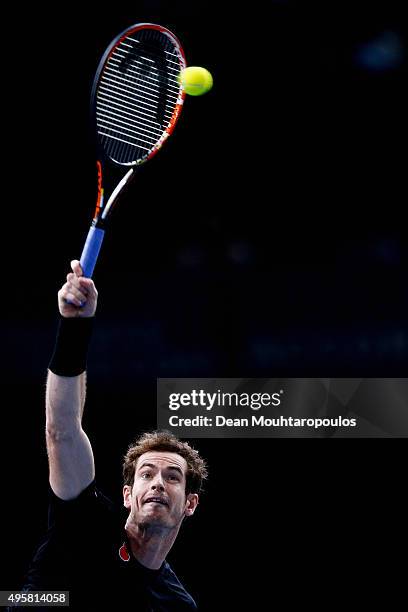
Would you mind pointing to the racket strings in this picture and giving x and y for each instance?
(126, 98)
(172, 65)
(139, 90)
(147, 35)
(137, 94)
(114, 68)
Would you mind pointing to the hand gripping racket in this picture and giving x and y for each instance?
(135, 103)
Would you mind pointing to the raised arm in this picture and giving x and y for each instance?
(70, 457)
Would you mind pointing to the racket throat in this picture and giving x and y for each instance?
(114, 195)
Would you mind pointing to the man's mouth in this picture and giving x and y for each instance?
(156, 500)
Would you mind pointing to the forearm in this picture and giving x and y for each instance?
(69, 450)
(65, 400)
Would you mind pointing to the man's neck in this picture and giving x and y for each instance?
(148, 545)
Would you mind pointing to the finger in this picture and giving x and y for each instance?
(80, 295)
(87, 285)
(65, 294)
(71, 288)
(76, 267)
(76, 281)
(72, 278)
(71, 299)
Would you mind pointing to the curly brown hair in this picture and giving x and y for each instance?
(166, 441)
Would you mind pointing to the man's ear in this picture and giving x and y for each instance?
(191, 504)
(127, 496)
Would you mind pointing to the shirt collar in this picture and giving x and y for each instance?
(126, 556)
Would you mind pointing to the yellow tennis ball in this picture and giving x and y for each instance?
(195, 80)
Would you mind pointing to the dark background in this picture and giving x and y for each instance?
(268, 238)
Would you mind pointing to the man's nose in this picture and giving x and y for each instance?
(158, 483)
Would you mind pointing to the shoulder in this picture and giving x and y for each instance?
(91, 499)
(91, 493)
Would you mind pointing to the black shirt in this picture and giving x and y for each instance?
(85, 552)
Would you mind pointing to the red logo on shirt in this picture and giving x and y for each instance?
(123, 553)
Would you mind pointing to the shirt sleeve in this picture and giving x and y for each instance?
(64, 512)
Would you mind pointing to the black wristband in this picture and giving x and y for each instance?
(71, 346)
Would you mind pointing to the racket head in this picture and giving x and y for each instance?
(136, 96)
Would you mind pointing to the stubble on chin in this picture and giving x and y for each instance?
(142, 522)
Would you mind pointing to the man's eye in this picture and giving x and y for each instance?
(145, 475)
(174, 478)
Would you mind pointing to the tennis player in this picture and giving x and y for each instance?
(105, 556)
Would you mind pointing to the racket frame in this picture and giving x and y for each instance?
(96, 232)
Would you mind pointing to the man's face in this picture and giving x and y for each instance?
(158, 496)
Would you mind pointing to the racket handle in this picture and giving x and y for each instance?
(91, 250)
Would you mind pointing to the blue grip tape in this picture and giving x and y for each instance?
(91, 250)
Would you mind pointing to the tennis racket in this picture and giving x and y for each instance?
(135, 103)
